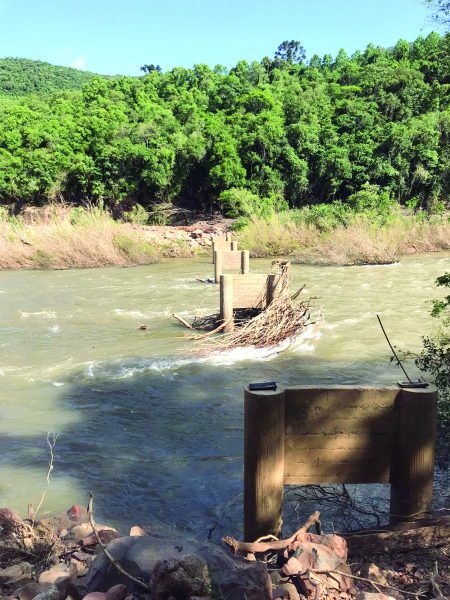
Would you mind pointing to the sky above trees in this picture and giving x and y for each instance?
(112, 36)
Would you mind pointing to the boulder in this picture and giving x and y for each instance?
(139, 556)
(182, 577)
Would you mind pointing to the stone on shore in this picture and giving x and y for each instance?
(15, 571)
(139, 556)
(137, 531)
(56, 574)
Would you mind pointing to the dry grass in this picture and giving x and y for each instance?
(95, 242)
(361, 242)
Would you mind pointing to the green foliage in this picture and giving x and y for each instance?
(435, 358)
(324, 217)
(134, 249)
(239, 202)
(361, 129)
(20, 76)
(137, 215)
(291, 52)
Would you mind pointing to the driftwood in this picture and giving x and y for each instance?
(424, 533)
(201, 336)
(183, 321)
(259, 547)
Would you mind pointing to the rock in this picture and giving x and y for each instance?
(75, 512)
(84, 530)
(136, 531)
(286, 590)
(31, 590)
(78, 567)
(95, 596)
(16, 582)
(117, 592)
(105, 535)
(361, 595)
(139, 555)
(14, 571)
(55, 574)
(180, 578)
(373, 572)
(51, 594)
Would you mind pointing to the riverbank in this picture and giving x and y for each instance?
(70, 556)
(80, 238)
(91, 238)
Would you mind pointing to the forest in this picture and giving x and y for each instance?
(282, 132)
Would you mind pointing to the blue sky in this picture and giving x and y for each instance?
(118, 36)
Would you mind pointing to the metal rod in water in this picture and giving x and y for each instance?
(393, 351)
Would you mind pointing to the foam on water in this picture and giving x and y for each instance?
(46, 314)
(123, 312)
(118, 369)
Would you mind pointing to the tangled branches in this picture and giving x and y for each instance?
(282, 320)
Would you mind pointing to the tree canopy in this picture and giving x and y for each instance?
(283, 129)
(21, 76)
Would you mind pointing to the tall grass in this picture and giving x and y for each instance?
(361, 241)
(90, 238)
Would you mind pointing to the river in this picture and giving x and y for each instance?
(153, 432)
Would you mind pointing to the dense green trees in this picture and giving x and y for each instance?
(282, 129)
(20, 76)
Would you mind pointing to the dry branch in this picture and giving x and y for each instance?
(261, 547)
(113, 561)
(181, 320)
(51, 444)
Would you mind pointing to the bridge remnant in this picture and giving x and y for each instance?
(337, 434)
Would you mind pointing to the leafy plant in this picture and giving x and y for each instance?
(435, 357)
(137, 215)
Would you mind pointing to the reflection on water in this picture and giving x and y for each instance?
(153, 432)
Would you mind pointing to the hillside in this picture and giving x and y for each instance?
(366, 129)
(21, 76)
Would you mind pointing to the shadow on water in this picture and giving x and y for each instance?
(160, 446)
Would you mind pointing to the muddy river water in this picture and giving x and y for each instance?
(155, 433)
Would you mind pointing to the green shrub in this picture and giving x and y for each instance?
(325, 217)
(135, 249)
(161, 213)
(240, 202)
(435, 359)
(373, 201)
(137, 215)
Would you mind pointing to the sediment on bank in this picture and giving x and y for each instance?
(86, 238)
(96, 240)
